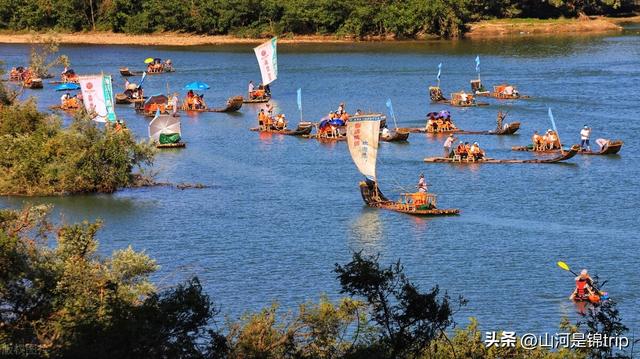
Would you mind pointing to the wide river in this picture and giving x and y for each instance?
(279, 212)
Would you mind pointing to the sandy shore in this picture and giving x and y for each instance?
(483, 29)
(511, 27)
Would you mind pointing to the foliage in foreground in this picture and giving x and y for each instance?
(71, 303)
(68, 302)
(399, 18)
(38, 156)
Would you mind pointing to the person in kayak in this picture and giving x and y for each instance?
(584, 286)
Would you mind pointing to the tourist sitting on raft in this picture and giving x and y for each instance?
(156, 66)
(551, 140)
(263, 91)
(435, 93)
(466, 151)
(69, 76)
(465, 98)
(194, 101)
(68, 102)
(267, 122)
(16, 73)
(134, 91)
(584, 287)
(439, 122)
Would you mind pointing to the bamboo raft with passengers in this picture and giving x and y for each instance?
(470, 158)
(440, 123)
(499, 92)
(547, 144)
(278, 125)
(457, 99)
(363, 133)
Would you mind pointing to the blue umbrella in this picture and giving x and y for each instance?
(67, 87)
(196, 85)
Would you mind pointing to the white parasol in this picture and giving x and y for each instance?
(163, 124)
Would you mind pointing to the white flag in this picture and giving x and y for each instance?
(268, 60)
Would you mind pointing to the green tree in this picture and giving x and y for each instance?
(70, 302)
(407, 320)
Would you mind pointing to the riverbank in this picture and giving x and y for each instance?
(482, 29)
(512, 27)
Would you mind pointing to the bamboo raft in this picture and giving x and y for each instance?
(171, 145)
(510, 130)
(256, 100)
(612, 148)
(560, 158)
(303, 129)
(373, 197)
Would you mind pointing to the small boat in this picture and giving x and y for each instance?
(303, 129)
(233, 105)
(563, 156)
(362, 137)
(397, 135)
(122, 99)
(124, 71)
(611, 148)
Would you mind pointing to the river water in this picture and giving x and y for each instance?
(281, 211)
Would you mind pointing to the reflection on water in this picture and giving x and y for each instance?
(366, 232)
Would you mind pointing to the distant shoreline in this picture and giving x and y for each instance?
(477, 30)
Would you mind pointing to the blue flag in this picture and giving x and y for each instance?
(390, 107)
(439, 71)
(299, 99)
(144, 75)
(553, 123)
(478, 63)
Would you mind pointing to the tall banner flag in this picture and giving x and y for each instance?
(300, 102)
(93, 96)
(107, 87)
(268, 60)
(478, 63)
(144, 76)
(439, 71)
(390, 107)
(553, 123)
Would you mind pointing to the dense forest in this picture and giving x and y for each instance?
(261, 18)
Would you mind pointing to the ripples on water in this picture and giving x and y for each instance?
(281, 212)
